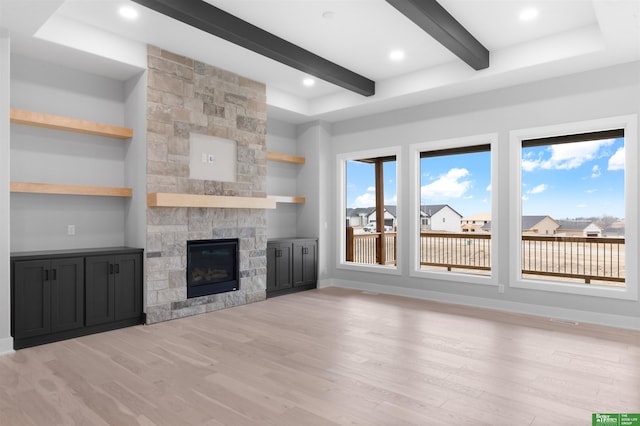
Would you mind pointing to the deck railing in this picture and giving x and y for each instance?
(590, 258)
(365, 248)
(578, 258)
(448, 250)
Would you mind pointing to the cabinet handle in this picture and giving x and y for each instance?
(278, 253)
(117, 268)
(46, 275)
(54, 274)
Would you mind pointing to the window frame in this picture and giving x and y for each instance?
(415, 150)
(516, 137)
(341, 236)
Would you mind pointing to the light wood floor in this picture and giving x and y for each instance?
(327, 357)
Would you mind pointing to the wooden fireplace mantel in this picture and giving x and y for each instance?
(163, 199)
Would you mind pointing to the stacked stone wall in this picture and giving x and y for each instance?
(185, 96)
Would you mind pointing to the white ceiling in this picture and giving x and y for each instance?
(568, 36)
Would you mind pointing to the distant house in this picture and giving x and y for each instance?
(476, 223)
(439, 217)
(539, 225)
(362, 216)
(613, 232)
(359, 216)
(578, 228)
(616, 229)
(533, 225)
(390, 216)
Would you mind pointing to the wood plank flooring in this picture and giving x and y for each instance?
(329, 357)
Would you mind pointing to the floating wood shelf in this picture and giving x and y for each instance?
(55, 122)
(287, 199)
(161, 199)
(285, 158)
(48, 188)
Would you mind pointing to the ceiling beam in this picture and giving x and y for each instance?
(208, 18)
(439, 24)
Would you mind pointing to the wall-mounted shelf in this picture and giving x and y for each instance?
(287, 199)
(48, 188)
(56, 122)
(163, 199)
(285, 158)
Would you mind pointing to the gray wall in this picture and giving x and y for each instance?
(135, 161)
(6, 342)
(282, 179)
(314, 142)
(40, 155)
(598, 94)
(312, 180)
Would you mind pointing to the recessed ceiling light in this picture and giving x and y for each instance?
(128, 12)
(396, 55)
(308, 82)
(529, 14)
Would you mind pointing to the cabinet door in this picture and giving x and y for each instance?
(67, 294)
(278, 266)
(100, 289)
(128, 286)
(304, 262)
(32, 298)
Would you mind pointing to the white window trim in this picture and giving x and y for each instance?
(342, 208)
(414, 188)
(630, 125)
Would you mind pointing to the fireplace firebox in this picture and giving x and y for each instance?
(212, 267)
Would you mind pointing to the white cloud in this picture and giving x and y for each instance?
(596, 172)
(371, 189)
(391, 201)
(449, 185)
(590, 191)
(525, 198)
(616, 162)
(567, 156)
(538, 189)
(364, 200)
(489, 187)
(530, 165)
(582, 206)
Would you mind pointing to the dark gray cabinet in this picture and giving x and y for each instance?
(114, 288)
(49, 296)
(305, 263)
(60, 294)
(292, 265)
(279, 266)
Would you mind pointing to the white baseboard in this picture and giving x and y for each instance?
(6, 346)
(609, 320)
(325, 283)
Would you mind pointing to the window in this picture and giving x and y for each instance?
(574, 208)
(369, 188)
(453, 187)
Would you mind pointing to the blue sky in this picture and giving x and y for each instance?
(580, 179)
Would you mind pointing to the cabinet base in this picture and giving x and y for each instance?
(78, 332)
(274, 293)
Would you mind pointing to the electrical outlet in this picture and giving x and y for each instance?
(204, 158)
(212, 159)
(71, 230)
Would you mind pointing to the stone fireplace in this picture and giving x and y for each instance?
(185, 98)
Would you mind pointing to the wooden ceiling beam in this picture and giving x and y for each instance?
(439, 24)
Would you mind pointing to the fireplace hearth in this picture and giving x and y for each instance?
(212, 267)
